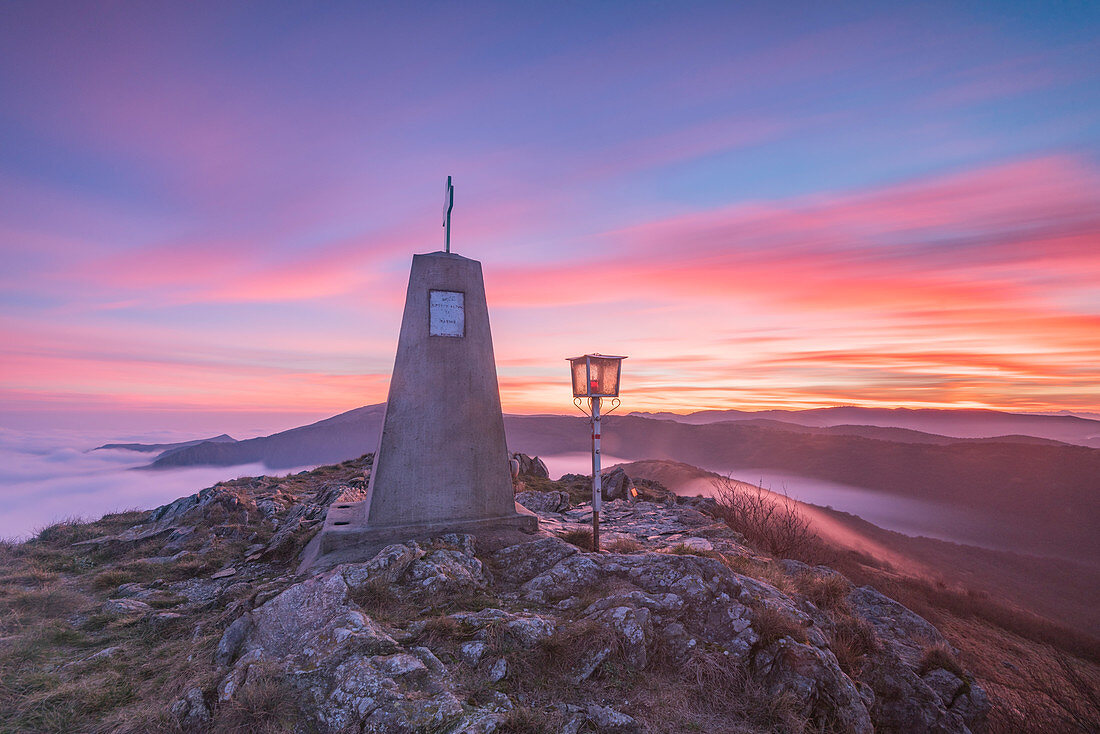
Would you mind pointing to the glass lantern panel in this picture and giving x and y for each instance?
(605, 376)
(579, 370)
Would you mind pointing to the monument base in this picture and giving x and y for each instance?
(346, 538)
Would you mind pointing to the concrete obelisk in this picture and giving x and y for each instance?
(442, 461)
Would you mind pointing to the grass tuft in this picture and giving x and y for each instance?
(580, 537)
(827, 591)
(439, 630)
(773, 625)
(378, 599)
(523, 720)
(852, 640)
(624, 545)
(264, 705)
(940, 655)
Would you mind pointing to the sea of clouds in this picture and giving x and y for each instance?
(52, 475)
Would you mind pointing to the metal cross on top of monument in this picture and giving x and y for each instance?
(448, 205)
(442, 462)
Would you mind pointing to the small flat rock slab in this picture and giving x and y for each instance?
(224, 573)
(609, 721)
(498, 671)
(699, 544)
(106, 652)
(122, 607)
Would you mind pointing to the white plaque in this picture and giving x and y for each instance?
(446, 313)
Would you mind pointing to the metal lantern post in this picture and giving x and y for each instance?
(595, 376)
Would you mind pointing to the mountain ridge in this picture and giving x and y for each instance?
(954, 423)
(163, 448)
(1043, 494)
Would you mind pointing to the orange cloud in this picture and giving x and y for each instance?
(973, 289)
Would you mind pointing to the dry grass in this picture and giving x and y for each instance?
(46, 602)
(61, 705)
(581, 537)
(47, 682)
(50, 592)
(265, 705)
(546, 673)
(938, 604)
(852, 639)
(623, 545)
(826, 591)
(571, 645)
(1074, 695)
(1032, 686)
(770, 573)
(940, 656)
(1014, 654)
(464, 599)
(707, 692)
(682, 549)
(442, 630)
(524, 720)
(112, 579)
(378, 598)
(773, 625)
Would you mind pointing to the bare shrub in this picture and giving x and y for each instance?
(769, 521)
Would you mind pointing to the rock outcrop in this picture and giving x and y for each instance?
(531, 466)
(615, 485)
(677, 617)
(337, 641)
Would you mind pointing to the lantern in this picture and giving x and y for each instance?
(596, 375)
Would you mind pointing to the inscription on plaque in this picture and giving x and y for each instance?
(446, 313)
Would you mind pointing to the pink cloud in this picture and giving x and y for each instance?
(940, 291)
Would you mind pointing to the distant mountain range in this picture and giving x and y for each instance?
(329, 441)
(1045, 490)
(163, 449)
(951, 423)
(356, 432)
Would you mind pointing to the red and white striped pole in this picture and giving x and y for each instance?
(597, 494)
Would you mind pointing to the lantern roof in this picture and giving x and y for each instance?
(597, 356)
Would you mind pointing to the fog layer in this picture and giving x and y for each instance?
(46, 476)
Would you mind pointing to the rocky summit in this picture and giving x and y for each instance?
(677, 625)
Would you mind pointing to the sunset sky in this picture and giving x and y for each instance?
(211, 208)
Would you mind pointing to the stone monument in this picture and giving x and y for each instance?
(442, 463)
